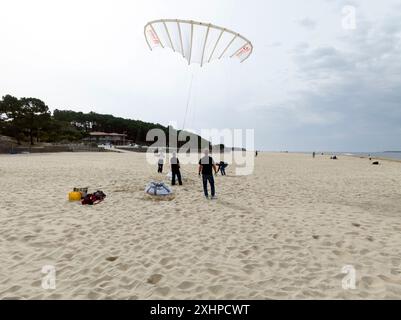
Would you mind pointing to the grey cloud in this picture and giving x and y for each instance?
(274, 44)
(301, 47)
(307, 23)
(322, 60)
(363, 96)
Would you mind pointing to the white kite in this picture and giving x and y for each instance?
(197, 42)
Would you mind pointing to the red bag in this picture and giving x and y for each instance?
(93, 198)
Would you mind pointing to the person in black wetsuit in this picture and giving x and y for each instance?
(175, 169)
(206, 165)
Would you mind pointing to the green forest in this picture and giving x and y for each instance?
(30, 120)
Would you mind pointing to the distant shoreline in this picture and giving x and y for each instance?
(374, 158)
(383, 156)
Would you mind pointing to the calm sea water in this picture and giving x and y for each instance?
(388, 155)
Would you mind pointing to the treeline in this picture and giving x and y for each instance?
(135, 130)
(29, 119)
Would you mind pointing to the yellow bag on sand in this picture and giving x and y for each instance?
(74, 196)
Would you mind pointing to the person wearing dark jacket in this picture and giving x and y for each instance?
(175, 170)
(206, 164)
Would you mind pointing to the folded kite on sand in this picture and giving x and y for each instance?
(158, 189)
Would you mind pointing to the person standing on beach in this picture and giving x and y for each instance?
(175, 169)
(206, 165)
(313, 154)
(160, 163)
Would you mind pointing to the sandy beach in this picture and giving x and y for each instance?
(284, 232)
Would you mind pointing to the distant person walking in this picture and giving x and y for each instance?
(314, 154)
(175, 169)
(160, 163)
(256, 153)
(206, 165)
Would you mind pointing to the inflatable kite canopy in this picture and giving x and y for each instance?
(158, 189)
(197, 42)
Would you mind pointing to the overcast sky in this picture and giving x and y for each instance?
(311, 84)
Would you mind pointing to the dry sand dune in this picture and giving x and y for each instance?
(284, 232)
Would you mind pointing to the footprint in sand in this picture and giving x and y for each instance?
(36, 283)
(339, 253)
(29, 237)
(270, 263)
(165, 261)
(213, 272)
(154, 278)
(394, 281)
(356, 225)
(185, 285)
(68, 256)
(111, 259)
(123, 266)
(163, 291)
(14, 289)
(216, 289)
(93, 295)
(369, 282)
